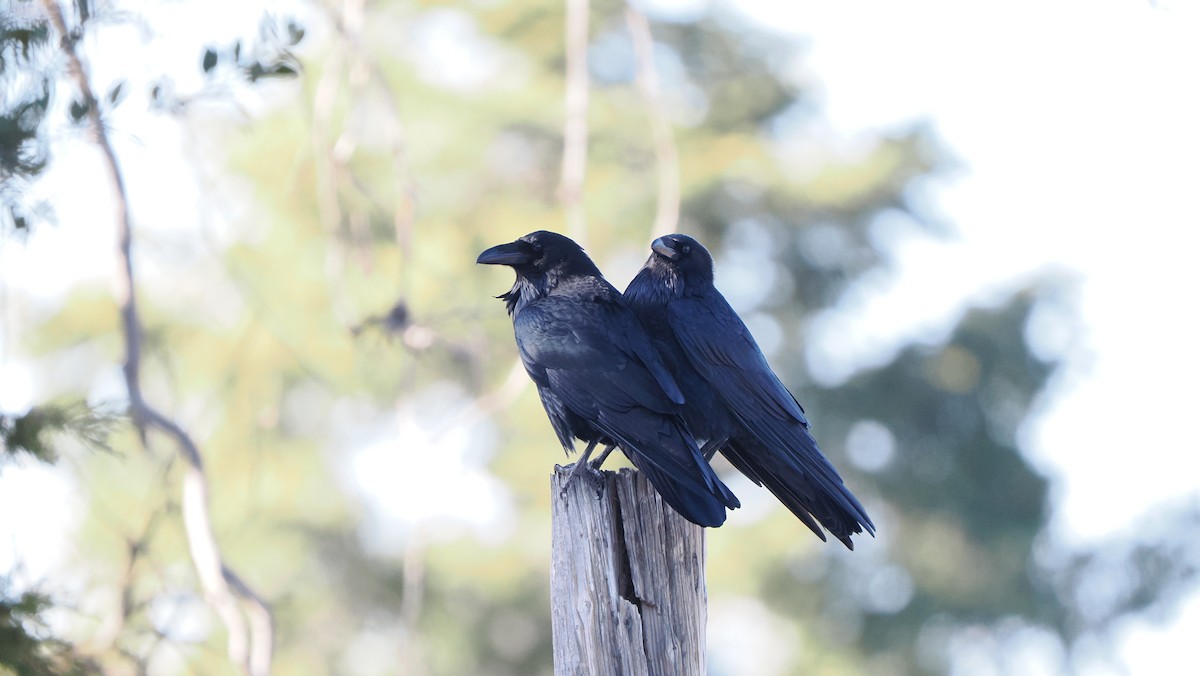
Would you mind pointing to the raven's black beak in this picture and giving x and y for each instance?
(665, 247)
(513, 253)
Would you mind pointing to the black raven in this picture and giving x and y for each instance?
(734, 400)
(598, 375)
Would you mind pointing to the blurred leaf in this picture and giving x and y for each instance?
(286, 67)
(295, 33)
(115, 94)
(210, 60)
(78, 111)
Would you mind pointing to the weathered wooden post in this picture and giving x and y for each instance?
(627, 579)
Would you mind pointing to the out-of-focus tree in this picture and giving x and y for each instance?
(25, 80)
(26, 645)
(40, 46)
(377, 468)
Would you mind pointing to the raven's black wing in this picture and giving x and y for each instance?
(720, 347)
(597, 360)
(556, 333)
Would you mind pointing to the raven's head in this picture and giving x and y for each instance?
(540, 260)
(683, 258)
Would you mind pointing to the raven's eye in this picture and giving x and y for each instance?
(687, 248)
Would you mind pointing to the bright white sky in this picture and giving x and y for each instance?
(1077, 127)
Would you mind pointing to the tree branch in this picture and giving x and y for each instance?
(351, 67)
(575, 128)
(666, 158)
(250, 644)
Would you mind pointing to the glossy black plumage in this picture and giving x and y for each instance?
(599, 378)
(735, 402)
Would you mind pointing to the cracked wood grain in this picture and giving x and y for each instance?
(627, 579)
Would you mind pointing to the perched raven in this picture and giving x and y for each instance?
(599, 378)
(734, 400)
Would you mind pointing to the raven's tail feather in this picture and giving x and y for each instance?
(813, 496)
(699, 507)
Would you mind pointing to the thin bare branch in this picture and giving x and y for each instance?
(249, 648)
(412, 600)
(666, 215)
(352, 68)
(575, 127)
(324, 98)
(111, 627)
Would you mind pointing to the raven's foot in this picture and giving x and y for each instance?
(596, 464)
(583, 468)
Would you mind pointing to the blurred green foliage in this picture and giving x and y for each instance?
(26, 647)
(347, 303)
